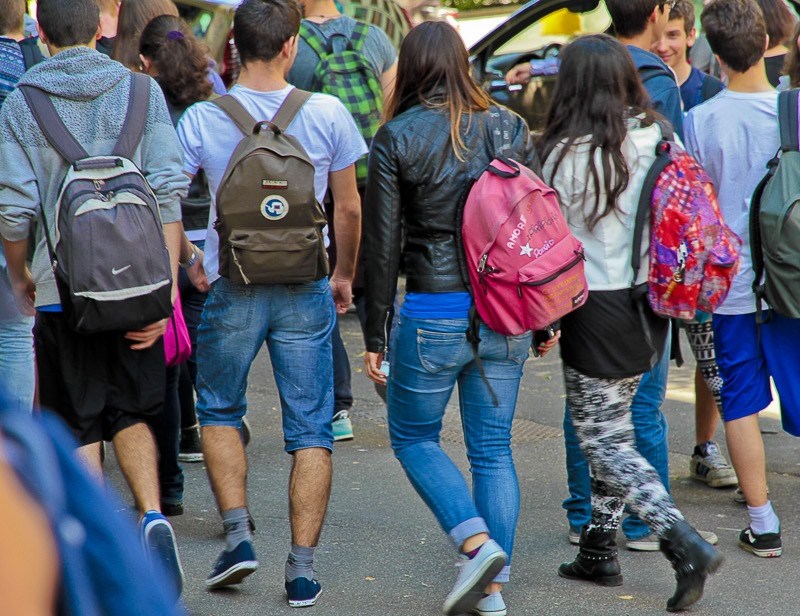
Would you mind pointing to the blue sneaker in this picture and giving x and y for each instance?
(232, 567)
(302, 592)
(158, 540)
(474, 576)
(342, 427)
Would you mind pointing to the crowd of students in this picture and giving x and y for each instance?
(428, 129)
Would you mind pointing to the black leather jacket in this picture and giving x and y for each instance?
(416, 182)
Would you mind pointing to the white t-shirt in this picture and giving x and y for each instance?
(323, 127)
(733, 136)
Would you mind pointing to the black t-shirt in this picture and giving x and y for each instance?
(605, 338)
(775, 68)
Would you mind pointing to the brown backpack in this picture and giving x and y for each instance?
(268, 219)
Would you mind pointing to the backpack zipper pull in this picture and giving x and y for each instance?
(482, 263)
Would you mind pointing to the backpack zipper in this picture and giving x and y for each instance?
(578, 258)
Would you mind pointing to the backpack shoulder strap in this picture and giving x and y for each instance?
(135, 118)
(31, 54)
(51, 125)
(314, 37)
(662, 160)
(237, 113)
(359, 37)
(290, 108)
(788, 120)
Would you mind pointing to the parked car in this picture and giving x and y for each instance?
(537, 31)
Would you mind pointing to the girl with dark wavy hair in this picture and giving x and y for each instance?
(599, 144)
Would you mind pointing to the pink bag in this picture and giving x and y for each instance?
(177, 344)
(525, 267)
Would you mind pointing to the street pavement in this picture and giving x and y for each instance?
(382, 552)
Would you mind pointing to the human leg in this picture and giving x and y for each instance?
(136, 453)
(17, 370)
(342, 388)
(579, 504)
(167, 431)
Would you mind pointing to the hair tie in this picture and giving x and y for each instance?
(174, 35)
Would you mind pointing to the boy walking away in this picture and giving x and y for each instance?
(18, 52)
(733, 136)
(259, 293)
(357, 63)
(105, 384)
(708, 464)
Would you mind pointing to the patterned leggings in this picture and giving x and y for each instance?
(600, 410)
(701, 339)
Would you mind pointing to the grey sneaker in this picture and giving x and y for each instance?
(574, 535)
(474, 575)
(650, 542)
(738, 496)
(491, 605)
(710, 466)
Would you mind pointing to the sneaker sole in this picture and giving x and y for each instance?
(474, 587)
(574, 539)
(768, 553)
(645, 546)
(232, 576)
(156, 546)
(304, 602)
(719, 482)
(343, 437)
(478, 612)
(190, 457)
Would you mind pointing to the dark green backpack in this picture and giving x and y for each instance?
(775, 219)
(343, 72)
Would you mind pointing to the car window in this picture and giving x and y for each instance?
(558, 28)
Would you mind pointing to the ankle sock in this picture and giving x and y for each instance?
(473, 553)
(763, 519)
(237, 527)
(300, 563)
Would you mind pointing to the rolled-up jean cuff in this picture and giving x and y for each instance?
(212, 421)
(465, 530)
(503, 576)
(318, 444)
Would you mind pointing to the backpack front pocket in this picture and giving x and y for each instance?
(280, 256)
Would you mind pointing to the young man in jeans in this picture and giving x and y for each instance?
(295, 321)
(103, 385)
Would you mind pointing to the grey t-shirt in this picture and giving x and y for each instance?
(378, 50)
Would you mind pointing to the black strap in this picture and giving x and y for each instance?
(31, 54)
(788, 121)
(136, 117)
(51, 125)
(505, 174)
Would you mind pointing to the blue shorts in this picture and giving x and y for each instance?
(745, 365)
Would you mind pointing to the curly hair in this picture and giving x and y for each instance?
(179, 62)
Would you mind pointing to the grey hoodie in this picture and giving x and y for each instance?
(90, 93)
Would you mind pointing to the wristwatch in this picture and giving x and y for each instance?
(191, 260)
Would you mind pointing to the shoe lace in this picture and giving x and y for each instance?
(714, 458)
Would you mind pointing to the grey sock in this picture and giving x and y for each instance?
(237, 527)
(300, 563)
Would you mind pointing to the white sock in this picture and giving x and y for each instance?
(763, 519)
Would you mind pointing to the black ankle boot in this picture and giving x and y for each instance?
(693, 558)
(596, 561)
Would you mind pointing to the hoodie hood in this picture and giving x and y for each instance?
(649, 64)
(78, 74)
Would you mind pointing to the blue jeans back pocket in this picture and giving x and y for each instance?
(440, 350)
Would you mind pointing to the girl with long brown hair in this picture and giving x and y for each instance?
(441, 129)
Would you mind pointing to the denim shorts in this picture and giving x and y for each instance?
(295, 321)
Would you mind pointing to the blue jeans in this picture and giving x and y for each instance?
(650, 428)
(296, 322)
(428, 359)
(16, 361)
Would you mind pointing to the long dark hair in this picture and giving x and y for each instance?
(179, 61)
(134, 15)
(433, 69)
(597, 92)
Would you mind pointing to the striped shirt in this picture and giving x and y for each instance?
(12, 66)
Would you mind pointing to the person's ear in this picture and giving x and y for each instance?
(146, 63)
(289, 47)
(767, 44)
(43, 37)
(691, 38)
(99, 34)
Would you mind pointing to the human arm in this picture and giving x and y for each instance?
(347, 222)
(667, 101)
(20, 278)
(387, 81)
(519, 74)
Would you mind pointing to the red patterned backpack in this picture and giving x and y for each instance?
(694, 255)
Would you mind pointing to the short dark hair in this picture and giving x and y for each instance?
(629, 17)
(779, 19)
(262, 27)
(67, 23)
(736, 32)
(12, 15)
(683, 9)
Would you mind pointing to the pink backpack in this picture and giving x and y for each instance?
(525, 267)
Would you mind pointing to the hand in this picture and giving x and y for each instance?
(342, 293)
(520, 74)
(372, 364)
(197, 273)
(548, 346)
(24, 293)
(148, 336)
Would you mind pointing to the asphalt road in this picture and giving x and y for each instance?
(383, 553)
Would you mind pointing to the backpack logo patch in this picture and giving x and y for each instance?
(274, 184)
(274, 207)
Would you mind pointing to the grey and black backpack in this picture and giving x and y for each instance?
(108, 255)
(775, 219)
(268, 218)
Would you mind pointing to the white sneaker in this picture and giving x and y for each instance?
(650, 543)
(474, 575)
(493, 605)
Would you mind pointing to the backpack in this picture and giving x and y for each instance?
(109, 256)
(347, 75)
(775, 221)
(694, 255)
(710, 88)
(525, 268)
(268, 219)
